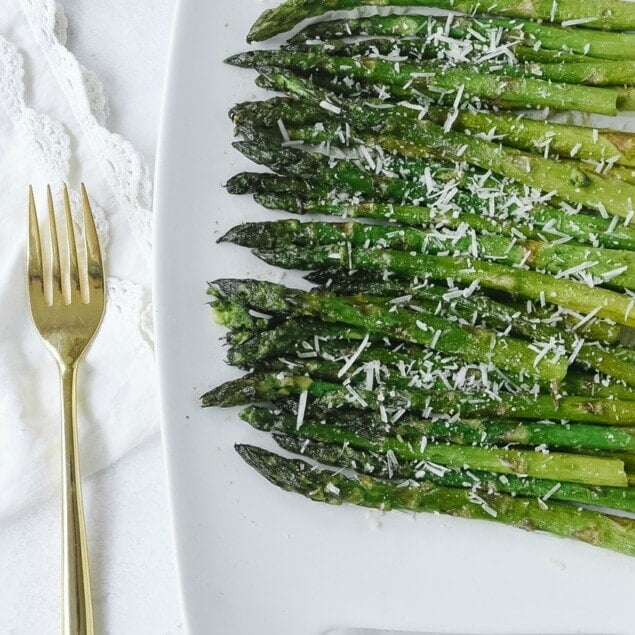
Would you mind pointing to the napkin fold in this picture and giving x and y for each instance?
(53, 116)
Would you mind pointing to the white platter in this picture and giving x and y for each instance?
(254, 560)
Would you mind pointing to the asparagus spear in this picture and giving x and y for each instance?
(429, 374)
(452, 187)
(522, 133)
(528, 284)
(546, 56)
(504, 91)
(467, 432)
(575, 468)
(561, 519)
(626, 354)
(543, 222)
(327, 396)
(584, 73)
(344, 282)
(565, 140)
(339, 342)
(611, 15)
(250, 182)
(495, 315)
(535, 322)
(379, 466)
(422, 138)
(532, 170)
(347, 176)
(332, 134)
(268, 113)
(469, 343)
(263, 146)
(417, 50)
(414, 50)
(595, 386)
(284, 337)
(617, 46)
(612, 267)
(344, 175)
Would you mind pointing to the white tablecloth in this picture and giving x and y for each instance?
(132, 563)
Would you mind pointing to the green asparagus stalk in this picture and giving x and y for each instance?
(629, 461)
(618, 172)
(417, 50)
(263, 146)
(596, 386)
(343, 175)
(469, 343)
(268, 113)
(346, 176)
(422, 138)
(288, 335)
(559, 518)
(332, 134)
(612, 267)
(611, 15)
(505, 91)
(555, 466)
(564, 140)
(440, 375)
(250, 182)
(386, 46)
(495, 315)
(617, 46)
(525, 283)
(327, 396)
(339, 342)
(626, 354)
(502, 311)
(603, 192)
(543, 223)
(577, 436)
(379, 466)
(546, 56)
(584, 73)
(498, 315)
(537, 323)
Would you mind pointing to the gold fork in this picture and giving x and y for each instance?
(67, 322)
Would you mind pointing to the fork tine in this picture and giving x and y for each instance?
(93, 253)
(55, 250)
(72, 249)
(36, 275)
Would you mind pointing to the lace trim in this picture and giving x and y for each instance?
(123, 167)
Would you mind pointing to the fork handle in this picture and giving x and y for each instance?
(77, 611)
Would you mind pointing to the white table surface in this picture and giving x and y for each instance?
(132, 559)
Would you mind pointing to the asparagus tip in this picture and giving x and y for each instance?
(242, 234)
(240, 59)
(231, 393)
(287, 474)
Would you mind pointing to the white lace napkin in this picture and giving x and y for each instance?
(52, 130)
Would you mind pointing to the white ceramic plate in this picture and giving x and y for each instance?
(254, 560)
